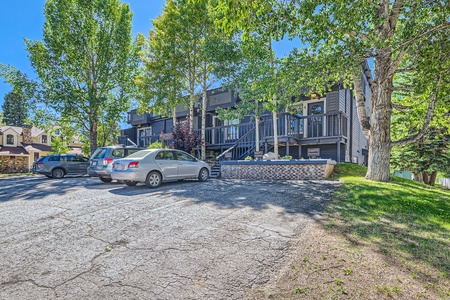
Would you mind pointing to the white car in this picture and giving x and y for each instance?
(154, 166)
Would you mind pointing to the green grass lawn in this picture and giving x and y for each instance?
(16, 174)
(408, 221)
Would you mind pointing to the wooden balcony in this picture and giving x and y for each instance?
(300, 128)
(295, 130)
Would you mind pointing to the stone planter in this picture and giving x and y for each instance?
(314, 169)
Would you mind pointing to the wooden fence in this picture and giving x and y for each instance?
(445, 182)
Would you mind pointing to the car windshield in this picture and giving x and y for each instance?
(141, 154)
(99, 153)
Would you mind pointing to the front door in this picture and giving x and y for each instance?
(315, 119)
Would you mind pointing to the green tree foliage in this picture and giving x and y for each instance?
(341, 34)
(184, 54)
(172, 58)
(86, 61)
(15, 109)
(161, 79)
(429, 154)
(425, 157)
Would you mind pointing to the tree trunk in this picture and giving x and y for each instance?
(418, 177)
(93, 133)
(275, 133)
(174, 117)
(380, 123)
(432, 180)
(257, 133)
(425, 177)
(204, 102)
(191, 106)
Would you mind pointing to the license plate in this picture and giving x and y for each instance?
(120, 166)
(93, 163)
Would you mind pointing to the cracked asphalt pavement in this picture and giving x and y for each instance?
(79, 238)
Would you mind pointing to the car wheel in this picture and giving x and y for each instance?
(105, 179)
(131, 183)
(153, 180)
(203, 175)
(58, 173)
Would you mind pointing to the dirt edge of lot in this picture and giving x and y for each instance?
(325, 264)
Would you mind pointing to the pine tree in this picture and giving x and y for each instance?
(14, 109)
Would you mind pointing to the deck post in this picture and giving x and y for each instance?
(338, 152)
(287, 147)
(299, 151)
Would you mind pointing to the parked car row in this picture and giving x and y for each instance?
(129, 165)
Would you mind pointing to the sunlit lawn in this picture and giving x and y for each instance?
(408, 221)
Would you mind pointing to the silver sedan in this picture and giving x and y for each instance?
(153, 166)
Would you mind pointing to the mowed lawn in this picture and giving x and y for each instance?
(407, 221)
(375, 240)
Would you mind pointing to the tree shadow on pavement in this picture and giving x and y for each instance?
(305, 197)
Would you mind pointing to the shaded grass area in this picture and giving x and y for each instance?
(16, 175)
(407, 221)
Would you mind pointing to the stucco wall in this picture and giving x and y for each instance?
(278, 170)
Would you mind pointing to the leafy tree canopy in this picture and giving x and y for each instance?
(86, 61)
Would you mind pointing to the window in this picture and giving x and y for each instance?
(53, 158)
(80, 159)
(131, 151)
(184, 157)
(57, 132)
(232, 131)
(165, 155)
(118, 153)
(44, 139)
(99, 153)
(10, 139)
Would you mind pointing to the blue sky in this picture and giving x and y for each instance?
(21, 19)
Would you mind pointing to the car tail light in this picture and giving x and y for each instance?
(113, 165)
(107, 161)
(39, 164)
(133, 164)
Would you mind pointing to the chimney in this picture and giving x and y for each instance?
(26, 133)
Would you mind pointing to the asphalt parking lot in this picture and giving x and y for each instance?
(78, 238)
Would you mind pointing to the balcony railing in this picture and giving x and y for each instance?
(225, 135)
(315, 126)
(300, 127)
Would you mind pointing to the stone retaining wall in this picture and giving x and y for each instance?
(13, 164)
(282, 170)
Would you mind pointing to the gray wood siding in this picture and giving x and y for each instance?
(326, 151)
(333, 102)
(158, 126)
(359, 141)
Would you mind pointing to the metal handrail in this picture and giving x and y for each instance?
(236, 143)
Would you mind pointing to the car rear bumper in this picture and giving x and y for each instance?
(127, 176)
(99, 172)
